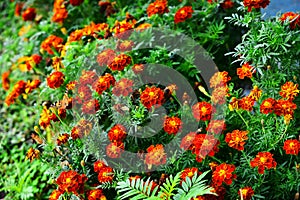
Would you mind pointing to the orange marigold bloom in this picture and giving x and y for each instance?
(31, 85)
(223, 173)
(71, 85)
(125, 45)
(55, 80)
(267, 106)
(99, 165)
(117, 133)
(143, 26)
(87, 77)
(75, 35)
(187, 141)
(52, 42)
(157, 7)
(246, 193)
(71, 181)
(138, 68)
(263, 160)
(103, 83)
(115, 149)
(123, 29)
(219, 79)
(18, 8)
(216, 126)
(289, 90)
(236, 139)
(55, 194)
(120, 62)
(29, 14)
(292, 147)
(204, 145)
(284, 107)
(255, 93)
(189, 172)
(45, 118)
(62, 139)
(152, 96)
(96, 194)
(246, 103)
(84, 94)
(292, 17)
(245, 71)
(202, 111)
(227, 4)
(32, 154)
(18, 89)
(105, 175)
(59, 15)
(5, 80)
(76, 2)
(172, 125)
(219, 95)
(156, 155)
(256, 4)
(106, 57)
(90, 107)
(123, 87)
(183, 14)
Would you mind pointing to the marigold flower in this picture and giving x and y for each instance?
(52, 42)
(96, 194)
(84, 94)
(219, 95)
(87, 77)
(55, 80)
(143, 26)
(123, 29)
(59, 15)
(71, 85)
(138, 68)
(204, 145)
(120, 62)
(216, 126)
(90, 107)
(75, 35)
(292, 17)
(267, 106)
(55, 194)
(255, 93)
(106, 57)
(32, 154)
(256, 4)
(172, 125)
(71, 181)
(18, 89)
(234, 104)
(103, 83)
(31, 85)
(123, 87)
(107, 8)
(245, 71)
(284, 107)
(236, 139)
(223, 173)
(62, 139)
(29, 14)
(152, 96)
(246, 103)
(183, 14)
(246, 193)
(115, 149)
(76, 2)
(219, 79)
(5, 80)
(263, 160)
(187, 141)
(157, 7)
(289, 90)
(18, 8)
(156, 155)
(45, 118)
(227, 4)
(99, 165)
(105, 175)
(125, 45)
(202, 111)
(189, 172)
(292, 147)
(117, 133)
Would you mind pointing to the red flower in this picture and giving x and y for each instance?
(71, 181)
(87, 77)
(246, 193)
(120, 62)
(103, 83)
(291, 147)
(117, 133)
(267, 106)
(256, 4)
(187, 141)
(219, 95)
(29, 14)
(189, 172)
(236, 139)
(289, 90)
(219, 79)
(138, 68)
(76, 2)
(216, 126)
(255, 93)
(84, 94)
(156, 155)
(5, 80)
(152, 96)
(76, 132)
(157, 7)
(18, 89)
(36, 58)
(52, 42)
(55, 80)
(115, 149)
(105, 175)
(223, 173)
(245, 71)
(91, 106)
(124, 28)
(202, 111)
(263, 160)
(172, 125)
(183, 14)
(204, 145)
(31, 85)
(227, 4)
(96, 194)
(18, 9)
(62, 139)
(292, 17)
(246, 103)
(125, 45)
(55, 195)
(59, 15)
(284, 107)
(123, 87)
(106, 57)
(99, 165)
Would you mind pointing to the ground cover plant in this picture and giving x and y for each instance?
(149, 100)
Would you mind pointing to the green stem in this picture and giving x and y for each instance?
(246, 158)
(243, 119)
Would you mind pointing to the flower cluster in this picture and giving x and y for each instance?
(105, 173)
(263, 160)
